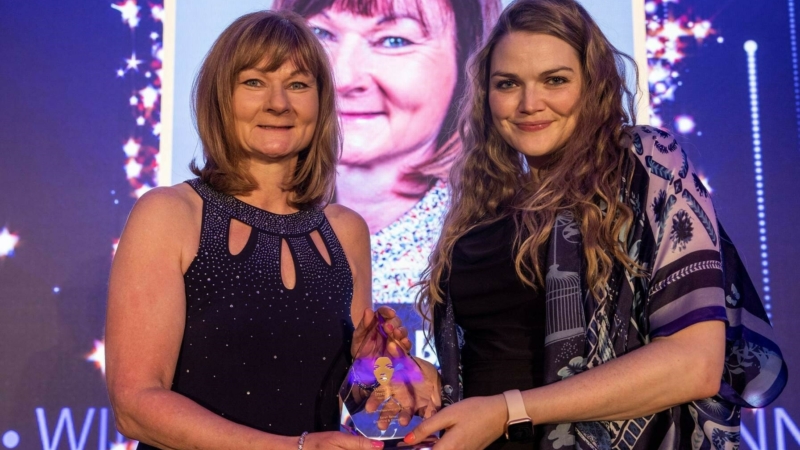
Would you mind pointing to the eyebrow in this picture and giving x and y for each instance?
(294, 72)
(395, 17)
(498, 73)
(391, 18)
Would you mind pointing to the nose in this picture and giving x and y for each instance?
(277, 101)
(350, 65)
(532, 99)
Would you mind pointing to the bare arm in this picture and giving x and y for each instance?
(144, 329)
(353, 235)
(669, 371)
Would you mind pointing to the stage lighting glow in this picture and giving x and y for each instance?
(8, 242)
(126, 445)
(129, 11)
(98, 356)
(751, 47)
(141, 148)
(684, 124)
(669, 33)
(795, 69)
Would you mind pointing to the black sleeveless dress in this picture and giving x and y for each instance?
(502, 318)
(253, 351)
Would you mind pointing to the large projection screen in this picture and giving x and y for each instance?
(198, 23)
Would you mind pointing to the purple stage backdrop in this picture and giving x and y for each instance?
(80, 97)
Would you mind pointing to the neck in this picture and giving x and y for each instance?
(377, 191)
(270, 178)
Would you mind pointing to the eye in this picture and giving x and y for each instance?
(252, 83)
(295, 85)
(322, 34)
(504, 84)
(394, 42)
(557, 81)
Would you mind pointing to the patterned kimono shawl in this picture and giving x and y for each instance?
(695, 275)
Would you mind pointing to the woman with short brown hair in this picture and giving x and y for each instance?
(233, 296)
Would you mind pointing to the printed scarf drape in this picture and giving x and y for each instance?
(695, 275)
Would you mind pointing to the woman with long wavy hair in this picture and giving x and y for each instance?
(578, 289)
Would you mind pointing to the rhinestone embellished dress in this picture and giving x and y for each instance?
(254, 351)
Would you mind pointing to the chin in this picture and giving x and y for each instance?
(359, 156)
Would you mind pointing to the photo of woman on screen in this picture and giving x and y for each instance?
(399, 69)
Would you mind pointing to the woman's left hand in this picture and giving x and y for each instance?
(473, 423)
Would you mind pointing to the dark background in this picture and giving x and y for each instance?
(64, 191)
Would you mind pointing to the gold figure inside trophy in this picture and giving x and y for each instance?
(385, 394)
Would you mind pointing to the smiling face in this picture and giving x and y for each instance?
(275, 113)
(534, 87)
(395, 75)
(383, 370)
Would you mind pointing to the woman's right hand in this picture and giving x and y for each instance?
(335, 440)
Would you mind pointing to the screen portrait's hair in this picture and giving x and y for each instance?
(276, 37)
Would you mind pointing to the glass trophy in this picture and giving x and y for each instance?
(385, 394)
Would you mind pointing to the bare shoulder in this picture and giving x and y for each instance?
(346, 223)
(172, 201)
(171, 214)
(167, 208)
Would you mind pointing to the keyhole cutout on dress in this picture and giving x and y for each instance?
(238, 235)
(288, 273)
(316, 238)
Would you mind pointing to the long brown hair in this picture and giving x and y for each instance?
(278, 36)
(490, 179)
(473, 20)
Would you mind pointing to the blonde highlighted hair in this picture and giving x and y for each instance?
(490, 179)
(278, 36)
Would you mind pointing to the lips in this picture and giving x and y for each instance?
(533, 125)
(360, 114)
(275, 127)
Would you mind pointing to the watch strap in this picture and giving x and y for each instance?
(516, 406)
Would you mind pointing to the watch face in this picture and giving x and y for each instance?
(520, 432)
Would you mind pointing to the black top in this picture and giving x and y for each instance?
(253, 351)
(503, 319)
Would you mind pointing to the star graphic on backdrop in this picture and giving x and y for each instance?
(133, 169)
(129, 11)
(133, 63)
(8, 241)
(149, 96)
(131, 148)
(157, 11)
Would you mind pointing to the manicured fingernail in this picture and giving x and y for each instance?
(377, 444)
(389, 327)
(409, 438)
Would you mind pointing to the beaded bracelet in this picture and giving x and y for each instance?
(302, 440)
